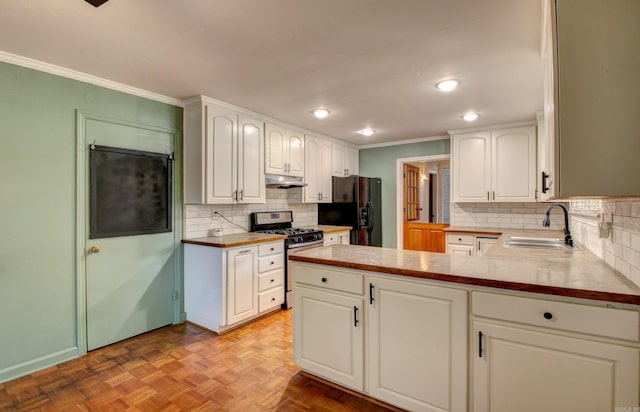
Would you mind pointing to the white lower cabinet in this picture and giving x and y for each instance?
(417, 336)
(329, 337)
(226, 287)
(242, 284)
(521, 367)
(336, 238)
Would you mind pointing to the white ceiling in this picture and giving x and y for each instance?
(372, 63)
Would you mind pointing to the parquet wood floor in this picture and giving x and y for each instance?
(184, 368)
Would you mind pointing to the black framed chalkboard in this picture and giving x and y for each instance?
(130, 192)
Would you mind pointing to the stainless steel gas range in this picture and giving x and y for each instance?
(280, 223)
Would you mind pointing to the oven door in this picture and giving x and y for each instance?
(288, 283)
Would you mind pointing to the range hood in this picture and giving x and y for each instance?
(284, 182)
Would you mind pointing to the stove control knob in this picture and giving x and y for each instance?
(297, 239)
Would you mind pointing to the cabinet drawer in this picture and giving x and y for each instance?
(271, 299)
(271, 248)
(270, 280)
(572, 317)
(458, 239)
(330, 239)
(270, 263)
(329, 278)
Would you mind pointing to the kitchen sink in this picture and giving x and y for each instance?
(539, 243)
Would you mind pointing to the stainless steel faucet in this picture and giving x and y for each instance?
(547, 222)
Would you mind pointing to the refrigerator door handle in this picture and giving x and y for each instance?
(370, 216)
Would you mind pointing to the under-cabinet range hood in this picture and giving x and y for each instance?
(284, 182)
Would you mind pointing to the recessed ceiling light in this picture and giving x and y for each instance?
(366, 132)
(448, 85)
(321, 113)
(469, 117)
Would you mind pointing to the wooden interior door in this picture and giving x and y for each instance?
(411, 192)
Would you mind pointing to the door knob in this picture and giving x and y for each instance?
(94, 249)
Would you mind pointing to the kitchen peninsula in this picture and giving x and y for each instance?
(505, 331)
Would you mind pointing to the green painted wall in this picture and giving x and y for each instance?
(382, 162)
(38, 205)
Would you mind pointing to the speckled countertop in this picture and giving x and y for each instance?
(239, 239)
(578, 274)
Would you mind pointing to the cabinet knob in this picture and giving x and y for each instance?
(324, 280)
(272, 280)
(272, 262)
(273, 299)
(94, 249)
(548, 315)
(271, 249)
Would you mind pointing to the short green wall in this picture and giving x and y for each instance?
(38, 207)
(381, 162)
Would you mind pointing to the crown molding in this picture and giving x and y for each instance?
(401, 142)
(84, 77)
(493, 127)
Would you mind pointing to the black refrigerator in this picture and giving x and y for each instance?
(356, 203)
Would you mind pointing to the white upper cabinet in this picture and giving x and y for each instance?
(494, 166)
(317, 170)
(344, 160)
(595, 79)
(224, 155)
(285, 151)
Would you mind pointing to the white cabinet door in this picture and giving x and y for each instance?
(242, 284)
(295, 154)
(344, 160)
(513, 154)
(418, 345)
(526, 371)
(471, 167)
(352, 161)
(329, 338)
(324, 176)
(483, 244)
(463, 250)
(221, 155)
(251, 184)
(317, 174)
(312, 170)
(276, 149)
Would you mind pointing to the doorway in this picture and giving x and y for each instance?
(423, 205)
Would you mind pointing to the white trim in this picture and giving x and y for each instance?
(400, 187)
(84, 77)
(494, 127)
(401, 142)
(33, 365)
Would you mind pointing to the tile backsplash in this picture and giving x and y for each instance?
(505, 215)
(621, 250)
(199, 220)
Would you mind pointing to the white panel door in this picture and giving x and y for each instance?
(514, 165)
(295, 158)
(221, 155)
(471, 167)
(251, 184)
(526, 371)
(418, 345)
(330, 341)
(276, 149)
(242, 284)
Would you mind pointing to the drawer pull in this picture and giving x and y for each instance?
(273, 299)
(272, 263)
(548, 315)
(324, 280)
(272, 280)
(271, 249)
